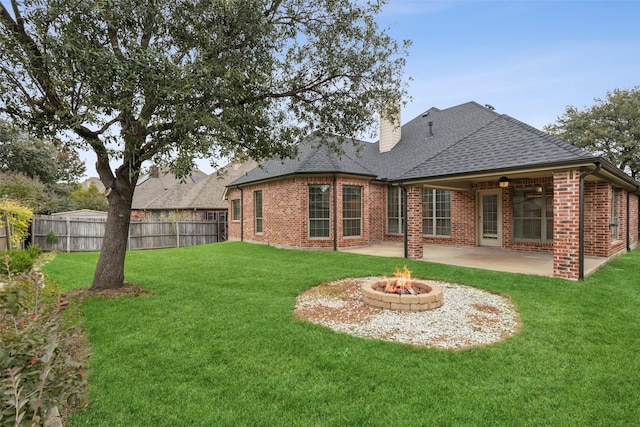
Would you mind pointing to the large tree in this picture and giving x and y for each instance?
(37, 158)
(172, 80)
(610, 128)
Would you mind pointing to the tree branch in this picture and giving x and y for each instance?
(38, 70)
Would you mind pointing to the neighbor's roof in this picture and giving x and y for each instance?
(465, 139)
(199, 191)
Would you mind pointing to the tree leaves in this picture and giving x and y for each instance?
(610, 128)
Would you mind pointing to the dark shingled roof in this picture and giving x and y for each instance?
(314, 157)
(467, 138)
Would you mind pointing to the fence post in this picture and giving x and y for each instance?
(177, 234)
(7, 231)
(68, 222)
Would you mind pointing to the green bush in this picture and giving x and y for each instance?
(34, 251)
(37, 373)
(15, 262)
(52, 237)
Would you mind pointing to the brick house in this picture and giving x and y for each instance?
(159, 194)
(462, 176)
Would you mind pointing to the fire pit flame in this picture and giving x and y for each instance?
(401, 284)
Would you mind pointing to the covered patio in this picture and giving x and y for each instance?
(488, 258)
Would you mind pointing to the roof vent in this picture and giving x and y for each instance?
(430, 128)
(490, 107)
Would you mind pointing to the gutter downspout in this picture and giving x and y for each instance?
(581, 220)
(335, 212)
(241, 214)
(405, 227)
(628, 225)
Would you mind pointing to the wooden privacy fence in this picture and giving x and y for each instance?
(4, 237)
(85, 234)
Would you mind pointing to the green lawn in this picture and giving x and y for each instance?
(218, 345)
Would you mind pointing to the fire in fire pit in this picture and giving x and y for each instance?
(401, 284)
(402, 293)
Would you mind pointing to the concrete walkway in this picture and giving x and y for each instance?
(498, 259)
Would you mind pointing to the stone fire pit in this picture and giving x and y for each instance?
(424, 295)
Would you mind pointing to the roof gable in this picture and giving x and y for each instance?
(315, 157)
(501, 144)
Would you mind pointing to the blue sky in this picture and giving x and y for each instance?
(530, 59)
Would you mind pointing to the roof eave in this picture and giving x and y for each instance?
(609, 173)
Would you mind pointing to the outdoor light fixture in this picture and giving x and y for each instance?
(503, 182)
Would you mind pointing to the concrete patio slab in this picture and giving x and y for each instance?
(487, 258)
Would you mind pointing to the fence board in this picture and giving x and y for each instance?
(3, 238)
(86, 234)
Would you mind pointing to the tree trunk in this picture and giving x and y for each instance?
(110, 269)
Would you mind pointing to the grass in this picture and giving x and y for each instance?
(218, 344)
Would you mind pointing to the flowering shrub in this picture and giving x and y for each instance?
(38, 376)
(18, 217)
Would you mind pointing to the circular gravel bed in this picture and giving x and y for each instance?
(470, 317)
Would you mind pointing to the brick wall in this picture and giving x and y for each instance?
(285, 213)
(376, 206)
(597, 212)
(566, 186)
(634, 216)
(414, 222)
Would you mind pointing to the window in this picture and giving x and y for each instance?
(533, 213)
(436, 212)
(235, 210)
(319, 211)
(614, 226)
(395, 212)
(257, 206)
(351, 211)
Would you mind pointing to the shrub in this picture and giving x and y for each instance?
(38, 375)
(34, 251)
(18, 217)
(52, 237)
(15, 262)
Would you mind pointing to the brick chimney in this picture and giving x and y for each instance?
(390, 130)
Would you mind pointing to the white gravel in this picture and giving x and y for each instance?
(470, 317)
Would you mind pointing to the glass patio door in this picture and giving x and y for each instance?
(489, 219)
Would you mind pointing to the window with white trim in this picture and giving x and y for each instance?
(533, 214)
(395, 212)
(436, 212)
(351, 211)
(614, 225)
(235, 210)
(319, 211)
(257, 207)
